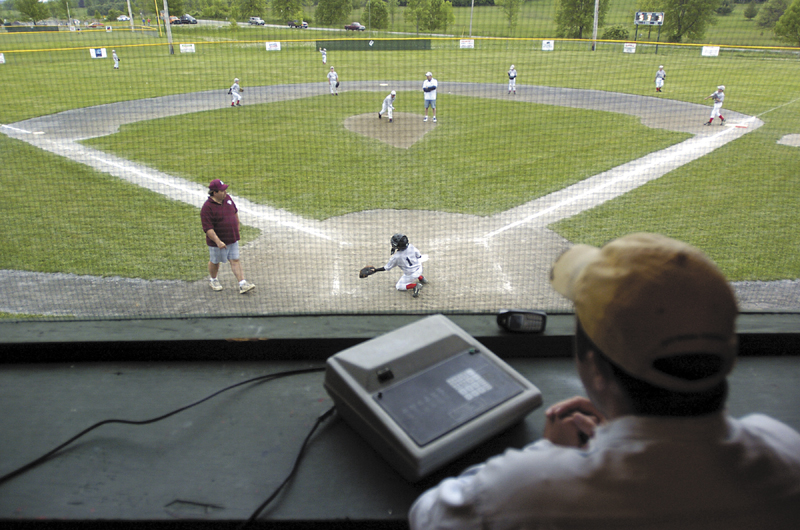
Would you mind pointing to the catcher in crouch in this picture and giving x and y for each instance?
(408, 258)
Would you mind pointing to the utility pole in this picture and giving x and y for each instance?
(169, 29)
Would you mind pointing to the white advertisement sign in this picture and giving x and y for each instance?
(98, 53)
(273, 46)
(187, 48)
(108, 29)
(629, 47)
(710, 51)
(467, 43)
(548, 45)
(2, 59)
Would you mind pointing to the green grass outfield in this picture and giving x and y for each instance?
(738, 203)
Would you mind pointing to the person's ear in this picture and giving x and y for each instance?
(596, 376)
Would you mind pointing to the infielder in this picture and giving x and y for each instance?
(408, 258)
(661, 76)
(333, 81)
(512, 80)
(429, 88)
(388, 106)
(116, 59)
(236, 97)
(324, 53)
(718, 97)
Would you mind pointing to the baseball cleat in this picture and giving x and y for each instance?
(379, 115)
(415, 291)
(215, 285)
(721, 120)
(422, 280)
(390, 120)
(707, 123)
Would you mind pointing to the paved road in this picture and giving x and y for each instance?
(307, 266)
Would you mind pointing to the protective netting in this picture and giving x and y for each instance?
(543, 137)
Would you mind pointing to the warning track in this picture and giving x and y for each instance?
(476, 263)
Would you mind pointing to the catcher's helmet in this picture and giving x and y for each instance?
(399, 242)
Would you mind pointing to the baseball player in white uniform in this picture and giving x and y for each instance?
(429, 87)
(333, 81)
(512, 80)
(718, 97)
(661, 76)
(236, 97)
(388, 106)
(408, 258)
(324, 53)
(116, 59)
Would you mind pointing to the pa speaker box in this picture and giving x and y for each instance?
(425, 394)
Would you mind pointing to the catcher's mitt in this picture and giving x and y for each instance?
(366, 271)
(229, 91)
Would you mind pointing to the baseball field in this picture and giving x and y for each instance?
(108, 168)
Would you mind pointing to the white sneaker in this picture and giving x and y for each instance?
(246, 286)
(216, 285)
(434, 119)
(425, 118)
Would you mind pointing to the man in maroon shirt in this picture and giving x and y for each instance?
(220, 218)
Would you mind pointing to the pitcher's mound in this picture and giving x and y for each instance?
(404, 131)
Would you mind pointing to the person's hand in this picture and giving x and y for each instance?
(220, 244)
(572, 422)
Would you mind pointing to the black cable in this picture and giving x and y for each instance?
(34, 463)
(324, 416)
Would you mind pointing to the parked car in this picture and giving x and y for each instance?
(256, 21)
(188, 19)
(123, 18)
(96, 25)
(174, 20)
(355, 26)
(298, 24)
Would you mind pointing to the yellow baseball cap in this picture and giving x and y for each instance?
(646, 297)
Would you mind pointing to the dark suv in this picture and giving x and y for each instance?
(298, 24)
(188, 19)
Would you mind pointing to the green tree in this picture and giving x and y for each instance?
(751, 10)
(685, 18)
(575, 18)
(511, 10)
(285, 10)
(113, 14)
(440, 15)
(415, 13)
(377, 14)
(251, 8)
(770, 12)
(788, 26)
(391, 7)
(32, 10)
(333, 11)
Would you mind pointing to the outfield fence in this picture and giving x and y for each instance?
(109, 167)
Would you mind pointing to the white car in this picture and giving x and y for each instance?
(123, 18)
(256, 21)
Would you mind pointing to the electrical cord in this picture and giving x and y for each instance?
(324, 416)
(268, 377)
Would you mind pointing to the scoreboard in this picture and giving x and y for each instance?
(644, 18)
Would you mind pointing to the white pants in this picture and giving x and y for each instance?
(716, 110)
(512, 84)
(659, 82)
(235, 97)
(406, 279)
(387, 109)
(333, 86)
(116, 63)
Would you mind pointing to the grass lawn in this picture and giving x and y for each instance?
(741, 197)
(485, 156)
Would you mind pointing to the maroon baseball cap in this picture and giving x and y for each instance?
(217, 185)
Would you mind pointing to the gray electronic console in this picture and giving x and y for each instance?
(424, 394)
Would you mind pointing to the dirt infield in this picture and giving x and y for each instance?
(477, 264)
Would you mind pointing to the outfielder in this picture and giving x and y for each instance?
(116, 59)
(718, 97)
(408, 258)
(429, 88)
(661, 76)
(512, 80)
(333, 81)
(388, 106)
(324, 53)
(236, 97)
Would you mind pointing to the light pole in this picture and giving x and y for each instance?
(471, 10)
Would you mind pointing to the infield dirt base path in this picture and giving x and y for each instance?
(477, 264)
